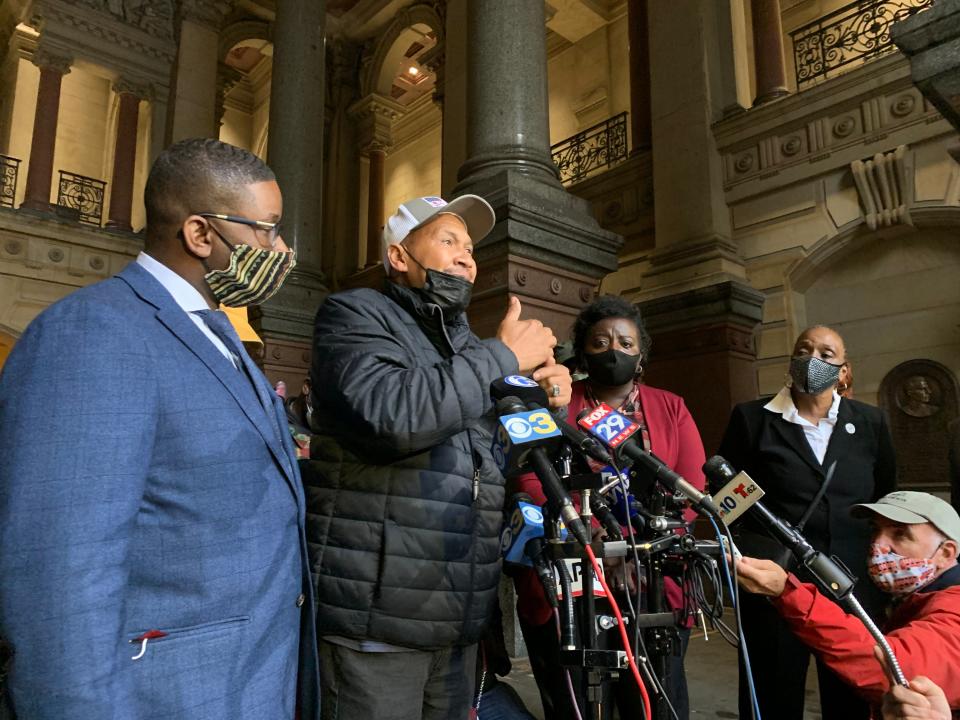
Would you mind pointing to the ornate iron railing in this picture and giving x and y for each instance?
(84, 194)
(856, 33)
(601, 146)
(9, 170)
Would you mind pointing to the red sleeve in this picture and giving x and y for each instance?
(690, 454)
(928, 644)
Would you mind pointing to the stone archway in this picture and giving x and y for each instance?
(245, 54)
(381, 65)
(892, 293)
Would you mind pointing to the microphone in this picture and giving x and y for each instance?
(533, 396)
(523, 544)
(606, 516)
(520, 440)
(614, 430)
(740, 494)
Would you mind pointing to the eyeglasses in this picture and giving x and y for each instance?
(272, 229)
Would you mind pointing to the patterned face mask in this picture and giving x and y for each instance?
(899, 575)
(253, 275)
(812, 375)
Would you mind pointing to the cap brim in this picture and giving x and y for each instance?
(891, 512)
(475, 212)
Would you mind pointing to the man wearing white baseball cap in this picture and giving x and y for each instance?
(913, 557)
(403, 496)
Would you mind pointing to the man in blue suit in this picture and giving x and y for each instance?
(152, 549)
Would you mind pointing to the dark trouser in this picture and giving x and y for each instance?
(780, 661)
(543, 646)
(433, 685)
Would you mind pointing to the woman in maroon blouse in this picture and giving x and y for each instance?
(611, 345)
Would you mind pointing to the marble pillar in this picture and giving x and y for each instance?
(546, 247)
(194, 87)
(698, 306)
(295, 152)
(768, 61)
(124, 157)
(40, 170)
(638, 37)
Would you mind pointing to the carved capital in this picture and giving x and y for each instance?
(375, 116)
(127, 86)
(46, 59)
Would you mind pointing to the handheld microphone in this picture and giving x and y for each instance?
(740, 494)
(614, 430)
(533, 396)
(519, 441)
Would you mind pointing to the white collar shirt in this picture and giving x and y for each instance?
(818, 436)
(187, 297)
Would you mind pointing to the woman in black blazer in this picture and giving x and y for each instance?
(787, 444)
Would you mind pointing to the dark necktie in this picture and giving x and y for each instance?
(220, 324)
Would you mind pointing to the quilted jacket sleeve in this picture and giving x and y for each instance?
(367, 385)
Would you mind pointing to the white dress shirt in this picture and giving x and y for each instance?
(187, 297)
(818, 436)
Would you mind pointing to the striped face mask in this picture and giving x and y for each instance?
(253, 275)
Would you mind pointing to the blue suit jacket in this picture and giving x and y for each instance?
(143, 487)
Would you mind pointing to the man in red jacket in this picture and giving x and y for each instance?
(916, 537)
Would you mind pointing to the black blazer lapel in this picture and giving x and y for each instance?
(792, 435)
(842, 439)
(233, 379)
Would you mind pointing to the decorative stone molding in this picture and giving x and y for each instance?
(155, 17)
(227, 79)
(883, 184)
(206, 12)
(375, 115)
(824, 128)
(46, 59)
(91, 31)
(138, 88)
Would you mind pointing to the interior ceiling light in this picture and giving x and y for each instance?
(413, 70)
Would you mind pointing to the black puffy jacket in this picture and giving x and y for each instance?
(403, 498)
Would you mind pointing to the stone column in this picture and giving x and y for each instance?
(40, 170)
(377, 156)
(698, 306)
(638, 37)
(125, 156)
(546, 247)
(375, 115)
(194, 87)
(768, 51)
(295, 152)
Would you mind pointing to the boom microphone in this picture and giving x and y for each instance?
(741, 494)
(614, 430)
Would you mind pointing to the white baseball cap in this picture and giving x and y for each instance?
(911, 508)
(475, 212)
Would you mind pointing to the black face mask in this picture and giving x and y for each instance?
(451, 293)
(611, 367)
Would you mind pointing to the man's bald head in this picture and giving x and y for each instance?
(198, 175)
